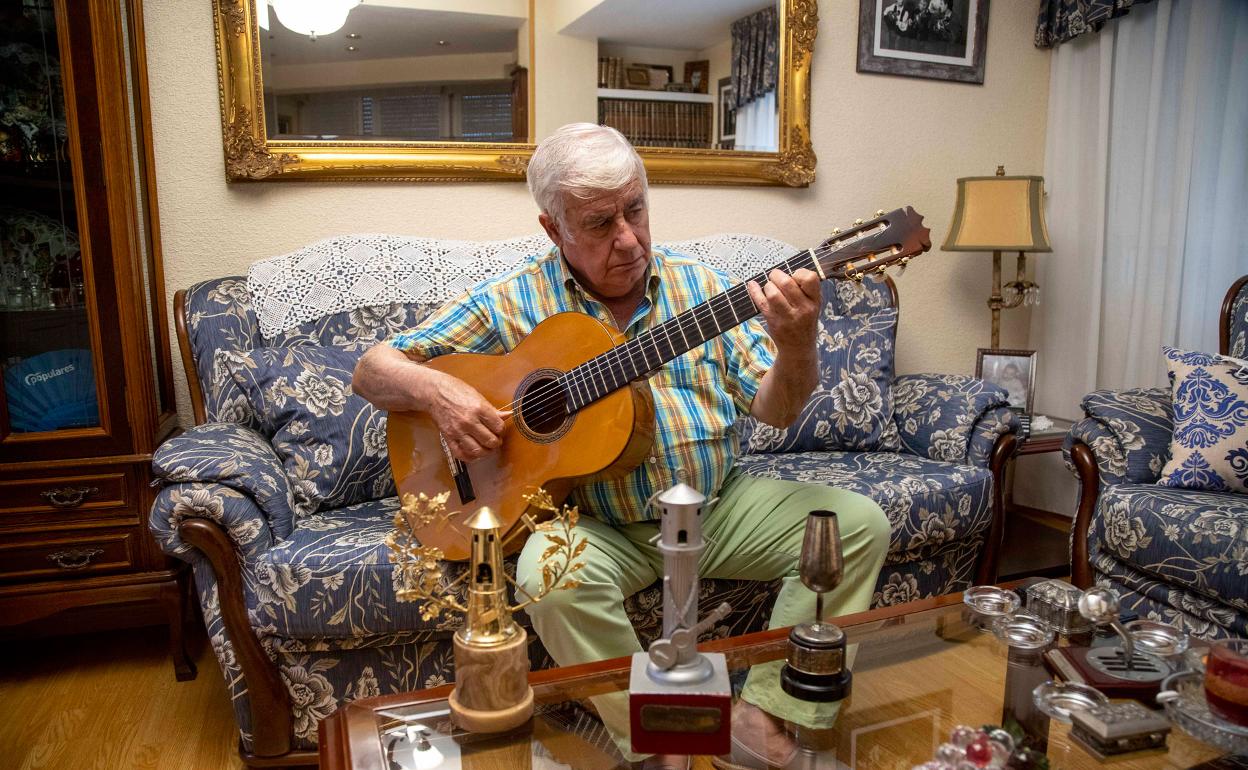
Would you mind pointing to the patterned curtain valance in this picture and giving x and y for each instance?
(1063, 20)
(755, 54)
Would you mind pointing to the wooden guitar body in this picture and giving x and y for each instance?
(607, 438)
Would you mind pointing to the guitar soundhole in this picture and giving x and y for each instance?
(543, 414)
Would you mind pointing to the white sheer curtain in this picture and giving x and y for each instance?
(758, 124)
(1146, 167)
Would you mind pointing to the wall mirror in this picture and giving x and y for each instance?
(710, 91)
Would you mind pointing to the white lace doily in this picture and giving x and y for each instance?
(352, 271)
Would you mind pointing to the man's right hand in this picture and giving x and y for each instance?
(471, 425)
(390, 380)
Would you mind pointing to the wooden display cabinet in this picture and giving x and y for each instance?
(87, 391)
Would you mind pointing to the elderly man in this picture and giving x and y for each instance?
(591, 187)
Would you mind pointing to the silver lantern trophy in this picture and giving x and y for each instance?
(816, 669)
(680, 700)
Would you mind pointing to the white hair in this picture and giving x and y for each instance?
(583, 160)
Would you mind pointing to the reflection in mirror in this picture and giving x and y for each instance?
(712, 91)
(401, 70)
(699, 74)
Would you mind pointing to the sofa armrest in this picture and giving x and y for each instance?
(234, 511)
(233, 456)
(951, 417)
(1128, 432)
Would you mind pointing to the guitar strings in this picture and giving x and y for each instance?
(551, 397)
(555, 393)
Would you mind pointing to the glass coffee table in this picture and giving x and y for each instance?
(919, 670)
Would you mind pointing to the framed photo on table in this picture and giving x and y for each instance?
(726, 126)
(941, 39)
(1014, 370)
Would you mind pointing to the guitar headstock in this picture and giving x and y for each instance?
(892, 238)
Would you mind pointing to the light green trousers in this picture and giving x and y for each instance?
(754, 532)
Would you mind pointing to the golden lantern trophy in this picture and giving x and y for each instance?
(492, 692)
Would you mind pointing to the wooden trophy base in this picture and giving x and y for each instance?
(492, 693)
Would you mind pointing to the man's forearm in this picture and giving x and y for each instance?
(392, 381)
(785, 388)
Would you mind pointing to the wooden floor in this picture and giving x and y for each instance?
(109, 700)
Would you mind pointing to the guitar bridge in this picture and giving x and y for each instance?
(459, 472)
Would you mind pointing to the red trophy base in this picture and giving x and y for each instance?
(680, 718)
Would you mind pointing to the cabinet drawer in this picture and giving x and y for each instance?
(50, 558)
(51, 494)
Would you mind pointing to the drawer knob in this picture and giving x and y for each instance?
(74, 558)
(68, 497)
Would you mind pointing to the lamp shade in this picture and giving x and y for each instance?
(999, 213)
(313, 17)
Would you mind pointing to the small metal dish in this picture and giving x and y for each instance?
(1058, 699)
(987, 603)
(1023, 632)
(1161, 639)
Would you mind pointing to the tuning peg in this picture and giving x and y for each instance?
(879, 213)
(857, 277)
(836, 231)
(857, 221)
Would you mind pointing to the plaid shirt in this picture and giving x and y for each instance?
(697, 396)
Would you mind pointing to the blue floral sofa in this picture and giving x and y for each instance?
(297, 594)
(1176, 555)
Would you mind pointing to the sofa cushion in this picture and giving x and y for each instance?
(332, 443)
(1192, 612)
(1197, 540)
(1209, 448)
(332, 579)
(929, 503)
(357, 329)
(852, 406)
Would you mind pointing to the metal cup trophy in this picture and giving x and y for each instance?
(492, 692)
(816, 668)
(679, 699)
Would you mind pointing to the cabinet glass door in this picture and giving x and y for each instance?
(45, 328)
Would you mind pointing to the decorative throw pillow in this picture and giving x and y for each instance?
(1209, 449)
(852, 406)
(332, 443)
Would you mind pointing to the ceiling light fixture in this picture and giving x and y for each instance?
(313, 17)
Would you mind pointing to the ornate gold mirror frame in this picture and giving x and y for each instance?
(251, 156)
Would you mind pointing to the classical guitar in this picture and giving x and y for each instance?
(582, 407)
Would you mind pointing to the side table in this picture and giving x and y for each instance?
(1036, 541)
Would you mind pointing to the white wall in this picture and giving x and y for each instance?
(882, 142)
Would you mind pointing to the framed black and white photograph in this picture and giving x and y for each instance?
(1014, 370)
(726, 126)
(941, 39)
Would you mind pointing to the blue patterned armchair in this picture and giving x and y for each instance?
(298, 600)
(1176, 555)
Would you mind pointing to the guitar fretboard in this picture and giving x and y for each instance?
(649, 350)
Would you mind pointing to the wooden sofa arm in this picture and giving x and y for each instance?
(270, 702)
(990, 557)
(1089, 491)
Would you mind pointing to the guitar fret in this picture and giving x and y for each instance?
(647, 352)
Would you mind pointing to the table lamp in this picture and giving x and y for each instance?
(1001, 213)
